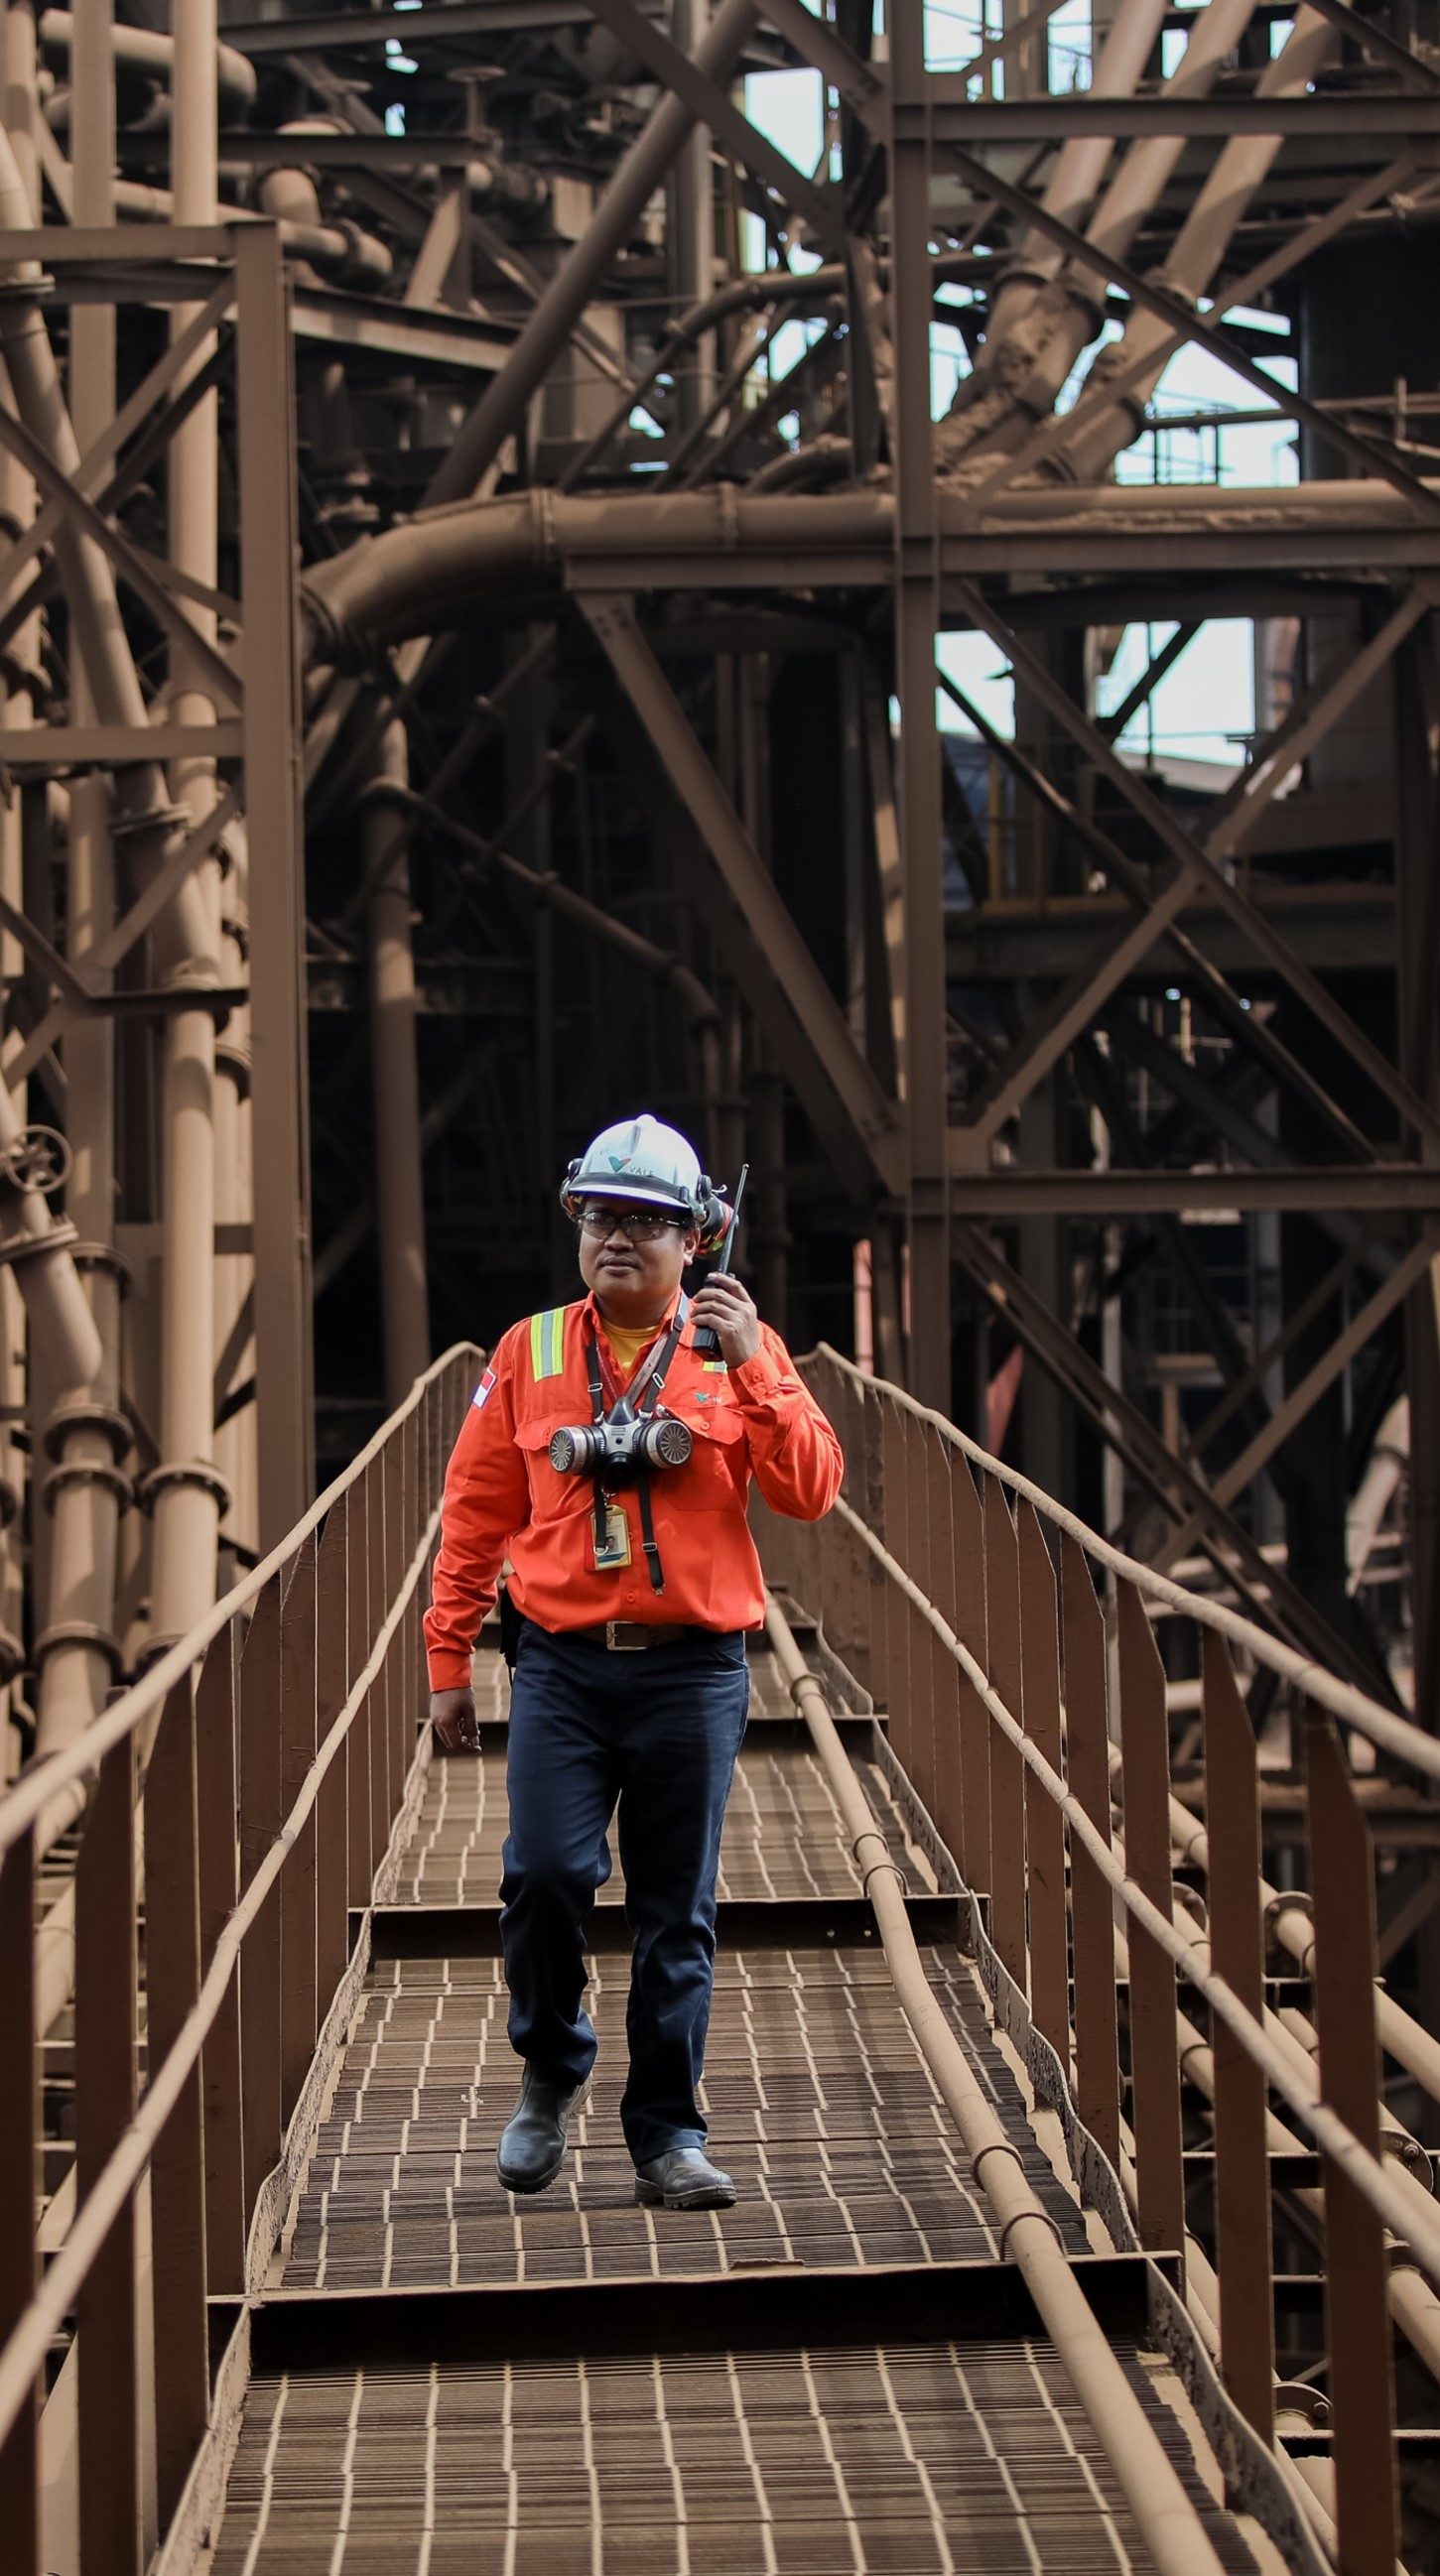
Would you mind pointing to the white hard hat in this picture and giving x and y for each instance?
(643, 1161)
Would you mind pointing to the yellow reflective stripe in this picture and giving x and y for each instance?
(547, 1343)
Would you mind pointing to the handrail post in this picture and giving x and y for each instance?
(172, 1974)
(216, 1709)
(332, 1891)
(945, 1683)
(1007, 1776)
(967, 1538)
(262, 1813)
(299, 1996)
(107, 1973)
(1087, 1746)
(1044, 1824)
(19, 2163)
(1237, 1949)
(1154, 2067)
(1342, 1869)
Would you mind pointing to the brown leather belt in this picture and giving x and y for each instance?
(631, 1636)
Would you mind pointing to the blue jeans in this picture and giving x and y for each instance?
(657, 1731)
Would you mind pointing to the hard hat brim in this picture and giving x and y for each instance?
(632, 1194)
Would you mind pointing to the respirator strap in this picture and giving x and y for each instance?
(647, 1385)
(648, 1539)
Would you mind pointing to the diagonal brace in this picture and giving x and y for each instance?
(1195, 859)
(714, 107)
(841, 1081)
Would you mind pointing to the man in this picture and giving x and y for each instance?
(635, 1584)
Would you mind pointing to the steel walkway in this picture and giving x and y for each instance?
(1075, 2230)
(833, 2421)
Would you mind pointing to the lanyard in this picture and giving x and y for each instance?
(648, 1380)
(637, 1404)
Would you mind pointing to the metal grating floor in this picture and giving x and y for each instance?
(784, 1834)
(893, 2460)
(882, 2458)
(819, 2101)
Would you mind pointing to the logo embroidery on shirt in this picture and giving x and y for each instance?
(483, 1392)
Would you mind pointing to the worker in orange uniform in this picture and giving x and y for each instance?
(610, 1460)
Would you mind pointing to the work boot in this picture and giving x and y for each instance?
(683, 2179)
(532, 2144)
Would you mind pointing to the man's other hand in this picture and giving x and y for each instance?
(452, 1714)
(726, 1305)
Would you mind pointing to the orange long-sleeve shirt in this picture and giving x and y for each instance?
(503, 1497)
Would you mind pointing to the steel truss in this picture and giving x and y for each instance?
(552, 661)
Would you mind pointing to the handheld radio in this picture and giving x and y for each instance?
(705, 1338)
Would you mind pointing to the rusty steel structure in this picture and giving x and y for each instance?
(494, 554)
(1096, 1995)
(599, 474)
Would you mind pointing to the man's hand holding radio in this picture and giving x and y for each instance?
(726, 1305)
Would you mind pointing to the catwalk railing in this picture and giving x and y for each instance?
(1032, 1721)
(244, 1794)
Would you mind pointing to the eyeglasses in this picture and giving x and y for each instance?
(638, 1225)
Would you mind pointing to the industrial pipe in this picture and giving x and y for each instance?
(1289, 1919)
(1413, 2304)
(438, 569)
(292, 198)
(395, 1087)
(1070, 310)
(184, 1492)
(1130, 40)
(501, 407)
(142, 49)
(1166, 2517)
(1102, 429)
(341, 251)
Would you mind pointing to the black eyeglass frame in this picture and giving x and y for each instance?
(638, 1225)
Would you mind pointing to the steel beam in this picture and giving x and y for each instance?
(788, 993)
(917, 617)
(574, 282)
(283, 1345)
(714, 107)
(1269, 1596)
(981, 123)
(1195, 857)
(1017, 1191)
(1189, 326)
(1288, 1415)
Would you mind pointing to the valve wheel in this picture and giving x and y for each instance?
(39, 1159)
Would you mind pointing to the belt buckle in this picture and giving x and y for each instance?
(618, 1645)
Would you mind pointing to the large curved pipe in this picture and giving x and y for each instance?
(141, 49)
(445, 566)
(340, 251)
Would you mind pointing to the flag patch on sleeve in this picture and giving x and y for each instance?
(481, 1396)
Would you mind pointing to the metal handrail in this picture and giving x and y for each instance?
(276, 1744)
(1147, 2477)
(23, 1803)
(1371, 2175)
(1006, 1715)
(1353, 1707)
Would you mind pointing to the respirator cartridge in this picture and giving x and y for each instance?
(617, 1450)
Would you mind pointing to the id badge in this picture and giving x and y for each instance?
(612, 1539)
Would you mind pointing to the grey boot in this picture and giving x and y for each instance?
(532, 2145)
(683, 2178)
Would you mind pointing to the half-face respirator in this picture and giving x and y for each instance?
(618, 1450)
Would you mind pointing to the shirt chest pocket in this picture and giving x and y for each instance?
(553, 1497)
(718, 1471)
